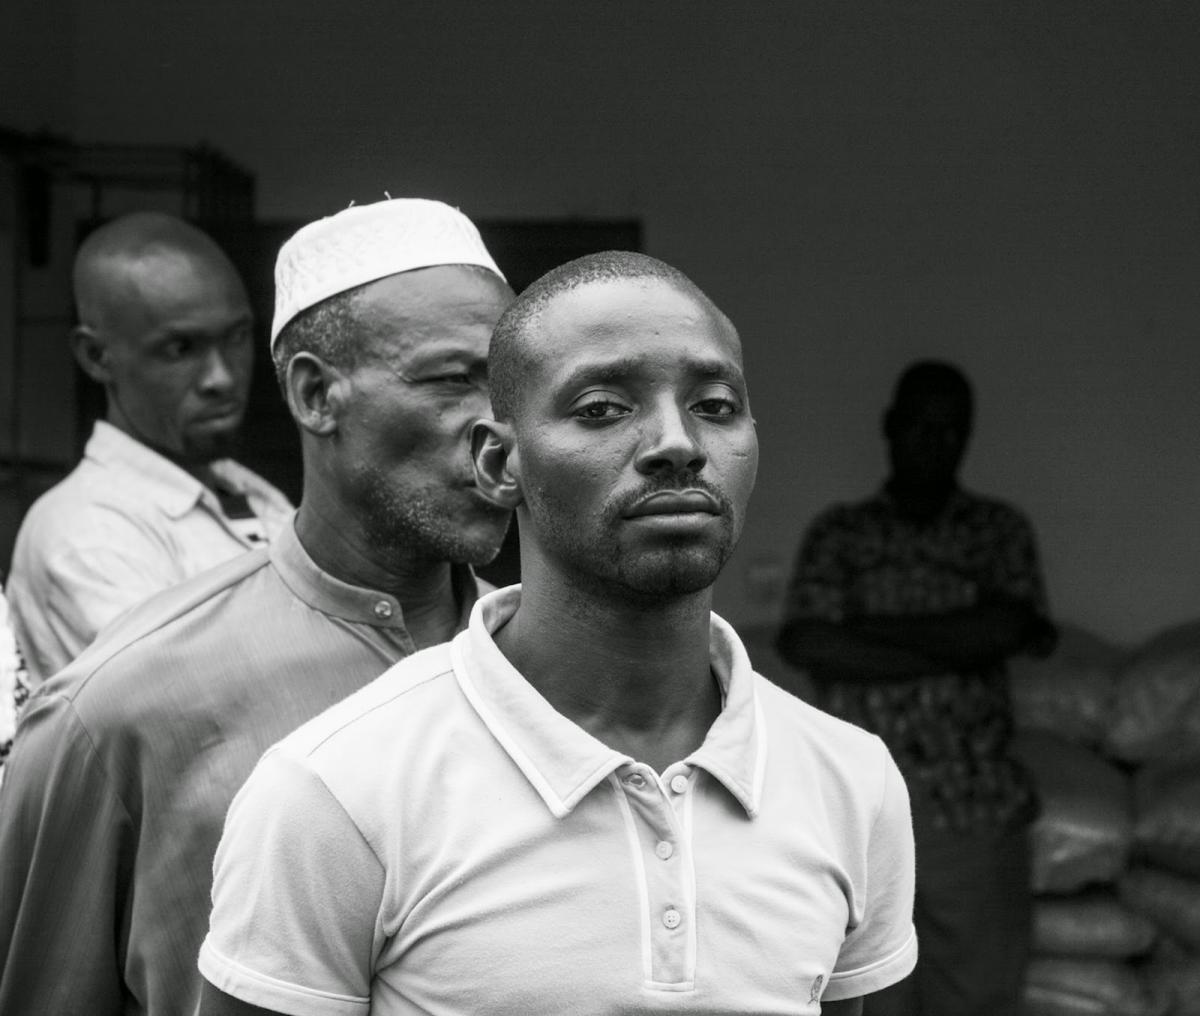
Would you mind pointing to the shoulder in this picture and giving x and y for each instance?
(785, 710)
(59, 503)
(409, 696)
(82, 512)
(804, 738)
(990, 512)
(247, 481)
(115, 678)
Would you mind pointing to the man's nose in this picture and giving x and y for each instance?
(671, 443)
(216, 374)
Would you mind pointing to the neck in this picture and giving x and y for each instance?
(201, 471)
(636, 674)
(424, 587)
(920, 500)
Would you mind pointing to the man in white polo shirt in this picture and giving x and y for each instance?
(587, 802)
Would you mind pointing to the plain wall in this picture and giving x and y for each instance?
(1008, 186)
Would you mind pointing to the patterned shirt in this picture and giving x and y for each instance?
(948, 732)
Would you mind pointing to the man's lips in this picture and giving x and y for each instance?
(675, 502)
(220, 413)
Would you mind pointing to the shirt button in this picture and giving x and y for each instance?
(679, 783)
(383, 610)
(636, 780)
(663, 849)
(671, 918)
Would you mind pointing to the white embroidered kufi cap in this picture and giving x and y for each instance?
(369, 242)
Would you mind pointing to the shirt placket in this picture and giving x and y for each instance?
(663, 859)
(250, 530)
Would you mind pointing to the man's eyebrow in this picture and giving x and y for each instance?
(618, 370)
(608, 370)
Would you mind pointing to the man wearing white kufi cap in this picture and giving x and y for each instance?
(126, 763)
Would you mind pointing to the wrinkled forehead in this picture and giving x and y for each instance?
(443, 306)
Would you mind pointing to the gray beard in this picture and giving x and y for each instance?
(420, 525)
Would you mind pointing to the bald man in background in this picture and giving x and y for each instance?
(166, 327)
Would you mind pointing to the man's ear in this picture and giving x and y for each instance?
(91, 353)
(315, 392)
(497, 464)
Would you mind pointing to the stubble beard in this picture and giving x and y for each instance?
(674, 567)
(203, 450)
(422, 524)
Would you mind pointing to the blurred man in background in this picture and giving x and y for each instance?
(903, 609)
(165, 326)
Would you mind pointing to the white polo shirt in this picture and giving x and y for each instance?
(444, 841)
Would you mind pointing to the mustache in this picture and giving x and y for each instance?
(673, 485)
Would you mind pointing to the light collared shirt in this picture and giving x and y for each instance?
(445, 841)
(125, 523)
(125, 763)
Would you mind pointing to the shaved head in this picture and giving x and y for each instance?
(115, 261)
(166, 327)
(512, 349)
(931, 379)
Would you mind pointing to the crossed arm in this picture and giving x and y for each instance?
(892, 648)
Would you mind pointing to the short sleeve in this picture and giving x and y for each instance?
(881, 944)
(819, 585)
(296, 898)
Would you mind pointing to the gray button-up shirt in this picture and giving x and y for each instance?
(125, 763)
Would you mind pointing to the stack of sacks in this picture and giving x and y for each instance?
(1070, 693)
(1089, 945)
(1156, 731)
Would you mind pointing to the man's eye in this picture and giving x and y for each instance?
(452, 379)
(176, 349)
(600, 409)
(716, 407)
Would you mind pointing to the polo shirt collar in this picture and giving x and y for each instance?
(561, 760)
(156, 477)
(336, 598)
